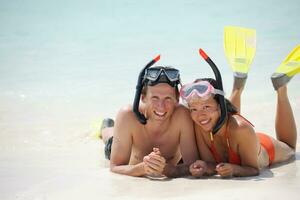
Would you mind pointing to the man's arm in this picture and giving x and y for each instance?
(188, 146)
(207, 161)
(179, 170)
(122, 145)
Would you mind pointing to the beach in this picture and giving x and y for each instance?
(81, 172)
(65, 65)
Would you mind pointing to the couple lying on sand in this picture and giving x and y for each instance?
(204, 135)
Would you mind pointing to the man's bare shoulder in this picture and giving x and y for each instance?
(125, 114)
(127, 109)
(125, 124)
(182, 115)
(181, 111)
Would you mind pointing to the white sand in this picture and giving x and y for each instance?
(49, 154)
(79, 171)
(63, 63)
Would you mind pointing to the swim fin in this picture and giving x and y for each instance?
(99, 124)
(288, 68)
(106, 123)
(240, 47)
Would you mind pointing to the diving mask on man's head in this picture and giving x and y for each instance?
(152, 76)
(161, 74)
(201, 89)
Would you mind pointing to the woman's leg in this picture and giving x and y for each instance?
(285, 125)
(235, 97)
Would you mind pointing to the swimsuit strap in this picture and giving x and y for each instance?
(226, 132)
(238, 114)
(213, 149)
(233, 157)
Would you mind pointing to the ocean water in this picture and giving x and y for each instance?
(64, 64)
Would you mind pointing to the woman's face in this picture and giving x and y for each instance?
(204, 112)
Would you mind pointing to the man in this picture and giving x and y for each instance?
(153, 147)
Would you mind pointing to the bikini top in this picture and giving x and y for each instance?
(234, 158)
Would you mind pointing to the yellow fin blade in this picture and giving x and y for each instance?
(291, 65)
(240, 47)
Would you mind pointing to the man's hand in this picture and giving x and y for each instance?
(154, 163)
(198, 168)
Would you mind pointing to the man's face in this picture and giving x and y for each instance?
(160, 101)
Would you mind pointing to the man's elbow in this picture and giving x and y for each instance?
(256, 172)
(113, 167)
(177, 171)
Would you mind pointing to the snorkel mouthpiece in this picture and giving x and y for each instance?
(138, 92)
(221, 98)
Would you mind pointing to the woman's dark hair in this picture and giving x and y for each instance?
(231, 109)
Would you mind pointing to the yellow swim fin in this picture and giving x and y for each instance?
(99, 124)
(288, 68)
(240, 47)
(96, 128)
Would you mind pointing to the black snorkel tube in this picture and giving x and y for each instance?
(221, 98)
(138, 91)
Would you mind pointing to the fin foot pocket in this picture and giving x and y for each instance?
(289, 68)
(107, 122)
(239, 80)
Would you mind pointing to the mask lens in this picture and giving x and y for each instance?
(152, 74)
(201, 89)
(161, 74)
(172, 74)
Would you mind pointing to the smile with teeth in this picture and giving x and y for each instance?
(160, 114)
(204, 122)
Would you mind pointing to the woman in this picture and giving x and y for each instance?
(235, 149)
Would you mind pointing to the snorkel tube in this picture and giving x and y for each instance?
(138, 92)
(221, 98)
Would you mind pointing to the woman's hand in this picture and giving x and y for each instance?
(225, 170)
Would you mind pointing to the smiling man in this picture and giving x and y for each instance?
(153, 147)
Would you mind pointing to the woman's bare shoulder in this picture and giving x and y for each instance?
(240, 128)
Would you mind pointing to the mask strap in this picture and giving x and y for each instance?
(142, 119)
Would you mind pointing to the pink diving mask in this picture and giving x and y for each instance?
(202, 89)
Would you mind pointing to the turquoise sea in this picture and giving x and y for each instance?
(64, 64)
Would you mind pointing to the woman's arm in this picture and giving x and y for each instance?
(247, 149)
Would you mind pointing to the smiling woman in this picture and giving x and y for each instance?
(236, 149)
(65, 64)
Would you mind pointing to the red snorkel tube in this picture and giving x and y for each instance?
(221, 98)
(138, 91)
